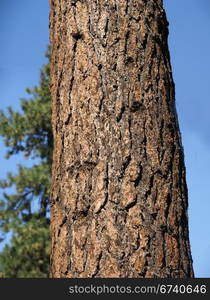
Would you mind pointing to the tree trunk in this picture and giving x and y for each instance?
(119, 194)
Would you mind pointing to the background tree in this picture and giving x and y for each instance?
(119, 194)
(25, 213)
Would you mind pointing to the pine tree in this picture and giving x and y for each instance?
(25, 213)
(119, 194)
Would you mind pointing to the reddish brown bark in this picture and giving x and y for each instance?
(119, 194)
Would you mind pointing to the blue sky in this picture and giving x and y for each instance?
(24, 37)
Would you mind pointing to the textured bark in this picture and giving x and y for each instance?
(119, 194)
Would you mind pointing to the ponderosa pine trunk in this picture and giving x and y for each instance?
(119, 194)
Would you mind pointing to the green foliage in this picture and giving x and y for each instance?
(25, 213)
(30, 131)
(27, 255)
